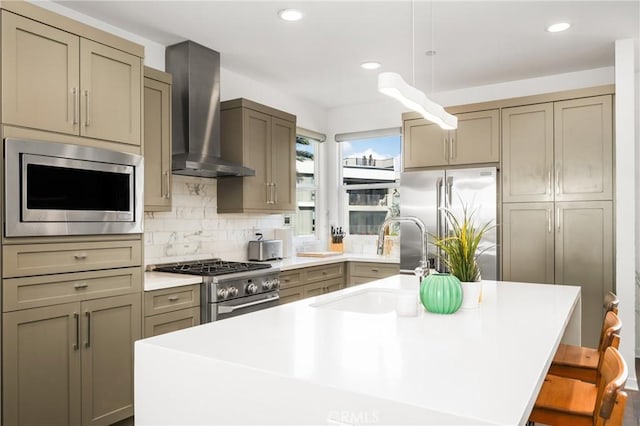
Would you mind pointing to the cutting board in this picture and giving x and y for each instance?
(318, 253)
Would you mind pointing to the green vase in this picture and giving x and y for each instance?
(441, 293)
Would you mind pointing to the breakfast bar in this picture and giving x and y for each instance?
(348, 358)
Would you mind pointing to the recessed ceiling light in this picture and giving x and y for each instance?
(370, 65)
(290, 15)
(556, 28)
(430, 53)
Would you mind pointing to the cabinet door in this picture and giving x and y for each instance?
(40, 75)
(528, 242)
(425, 144)
(111, 93)
(257, 137)
(477, 138)
(157, 145)
(584, 257)
(527, 153)
(334, 285)
(283, 169)
(584, 149)
(41, 366)
(110, 326)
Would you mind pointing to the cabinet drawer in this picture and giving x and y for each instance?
(171, 321)
(291, 294)
(171, 299)
(40, 259)
(31, 292)
(373, 270)
(291, 278)
(322, 287)
(325, 272)
(359, 280)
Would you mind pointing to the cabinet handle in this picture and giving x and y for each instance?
(80, 286)
(374, 270)
(557, 182)
(80, 256)
(268, 188)
(86, 108)
(167, 187)
(173, 298)
(549, 182)
(76, 100)
(452, 153)
(444, 148)
(275, 193)
(549, 220)
(76, 317)
(286, 280)
(88, 342)
(558, 218)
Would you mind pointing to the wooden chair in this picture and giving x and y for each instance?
(564, 401)
(579, 362)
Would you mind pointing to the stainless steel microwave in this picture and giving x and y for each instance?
(63, 189)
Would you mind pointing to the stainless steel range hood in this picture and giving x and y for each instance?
(196, 112)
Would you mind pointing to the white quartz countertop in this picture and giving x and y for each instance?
(300, 364)
(162, 280)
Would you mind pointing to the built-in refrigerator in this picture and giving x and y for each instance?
(426, 194)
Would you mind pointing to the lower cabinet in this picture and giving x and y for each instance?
(364, 272)
(312, 281)
(70, 363)
(171, 309)
(568, 243)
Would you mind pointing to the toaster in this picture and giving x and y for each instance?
(261, 250)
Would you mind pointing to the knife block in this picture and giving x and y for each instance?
(339, 247)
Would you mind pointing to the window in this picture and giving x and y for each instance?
(304, 221)
(370, 181)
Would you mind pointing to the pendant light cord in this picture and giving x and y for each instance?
(413, 42)
(433, 49)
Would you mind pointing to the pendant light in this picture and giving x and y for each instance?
(393, 85)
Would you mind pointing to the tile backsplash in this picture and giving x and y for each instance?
(194, 230)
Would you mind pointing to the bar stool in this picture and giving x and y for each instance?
(564, 401)
(579, 362)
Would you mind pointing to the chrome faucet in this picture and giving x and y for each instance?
(422, 270)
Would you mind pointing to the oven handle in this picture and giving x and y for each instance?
(228, 309)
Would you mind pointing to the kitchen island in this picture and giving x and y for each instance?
(313, 362)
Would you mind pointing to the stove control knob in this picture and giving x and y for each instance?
(222, 293)
(233, 292)
(276, 283)
(267, 285)
(252, 288)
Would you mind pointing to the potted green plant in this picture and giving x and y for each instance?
(460, 250)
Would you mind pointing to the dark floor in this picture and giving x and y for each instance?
(632, 411)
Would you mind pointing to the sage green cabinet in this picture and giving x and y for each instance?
(263, 139)
(56, 81)
(311, 281)
(157, 140)
(171, 309)
(364, 272)
(70, 363)
(475, 141)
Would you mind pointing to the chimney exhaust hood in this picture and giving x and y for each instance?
(196, 112)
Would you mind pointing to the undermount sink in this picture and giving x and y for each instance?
(369, 301)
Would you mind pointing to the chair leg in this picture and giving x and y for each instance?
(530, 423)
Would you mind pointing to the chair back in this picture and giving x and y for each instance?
(611, 302)
(611, 398)
(611, 322)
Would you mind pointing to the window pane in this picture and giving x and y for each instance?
(371, 162)
(305, 220)
(305, 164)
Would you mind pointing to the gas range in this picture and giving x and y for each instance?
(231, 288)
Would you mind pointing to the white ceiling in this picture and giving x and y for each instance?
(477, 42)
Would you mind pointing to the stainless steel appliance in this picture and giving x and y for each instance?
(231, 288)
(262, 250)
(425, 194)
(62, 189)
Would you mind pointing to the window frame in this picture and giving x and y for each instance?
(308, 187)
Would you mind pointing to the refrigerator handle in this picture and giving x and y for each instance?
(449, 192)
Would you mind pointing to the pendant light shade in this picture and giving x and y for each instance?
(392, 84)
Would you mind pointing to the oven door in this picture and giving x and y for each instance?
(243, 305)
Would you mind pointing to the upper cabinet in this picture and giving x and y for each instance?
(475, 141)
(558, 151)
(61, 82)
(263, 139)
(157, 140)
